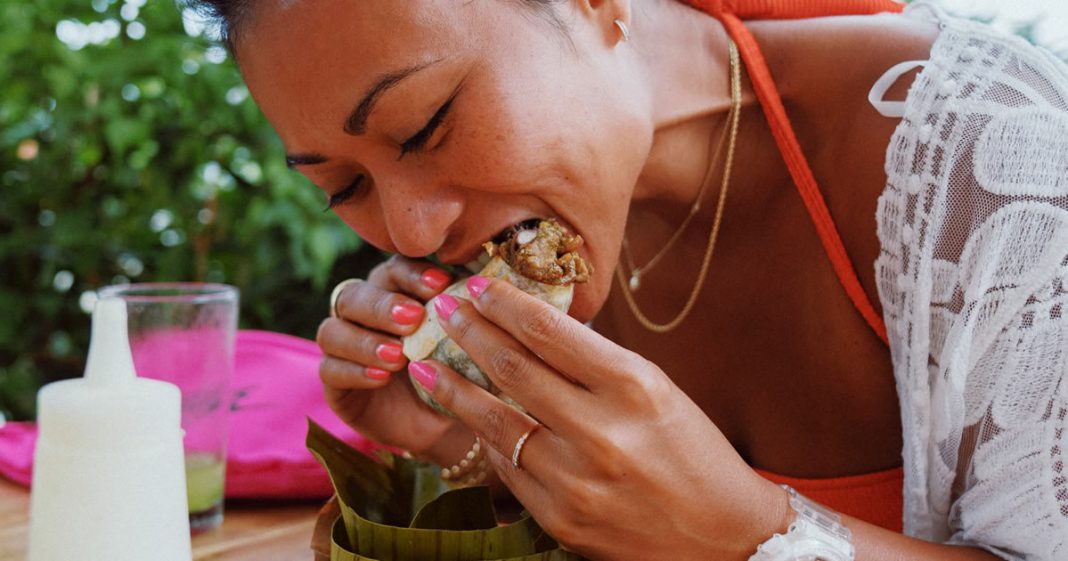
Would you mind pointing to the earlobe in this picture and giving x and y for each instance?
(621, 17)
(613, 15)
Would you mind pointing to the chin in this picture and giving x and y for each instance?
(588, 301)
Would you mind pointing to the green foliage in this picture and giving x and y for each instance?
(139, 160)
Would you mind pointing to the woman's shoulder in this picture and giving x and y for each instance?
(823, 69)
(839, 57)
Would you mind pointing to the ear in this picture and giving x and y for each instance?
(604, 13)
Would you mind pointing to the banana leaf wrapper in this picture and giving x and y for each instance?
(431, 341)
(400, 510)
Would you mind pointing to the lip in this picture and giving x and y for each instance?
(472, 251)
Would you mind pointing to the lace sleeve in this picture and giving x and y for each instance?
(1010, 492)
(973, 276)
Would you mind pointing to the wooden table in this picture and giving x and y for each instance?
(251, 531)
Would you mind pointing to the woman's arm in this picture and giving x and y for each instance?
(874, 543)
(620, 464)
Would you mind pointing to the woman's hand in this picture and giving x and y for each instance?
(624, 466)
(363, 353)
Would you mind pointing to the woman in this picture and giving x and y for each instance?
(434, 125)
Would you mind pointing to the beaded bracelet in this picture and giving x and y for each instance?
(470, 470)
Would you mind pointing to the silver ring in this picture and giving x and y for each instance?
(336, 293)
(519, 445)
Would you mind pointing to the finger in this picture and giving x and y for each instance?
(416, 278)
(540, 499)
(498, 424)
(340, 375)
(566, 345)
(351, 342)
(384, 310)
(523, 484)
(516, 371)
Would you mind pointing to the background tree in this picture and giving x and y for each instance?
(131, 151)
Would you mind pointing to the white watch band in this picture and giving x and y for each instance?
(816, 534)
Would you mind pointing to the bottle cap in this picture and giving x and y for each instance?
(110, 408)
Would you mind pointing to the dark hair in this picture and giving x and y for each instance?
(228, 17)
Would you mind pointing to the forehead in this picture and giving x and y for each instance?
(313, 53)
(372, 27)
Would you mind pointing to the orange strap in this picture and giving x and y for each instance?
(876, 498)
(730, 13)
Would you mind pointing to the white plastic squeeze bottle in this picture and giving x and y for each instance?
(109, 475)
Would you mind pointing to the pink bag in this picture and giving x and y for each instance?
(276, 390)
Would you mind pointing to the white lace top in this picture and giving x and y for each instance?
(973, 277)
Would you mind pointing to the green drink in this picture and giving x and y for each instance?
(204, 478)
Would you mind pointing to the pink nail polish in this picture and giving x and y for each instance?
(406, 314)
(424, 374)
(445, 305)
(434, 278)
(476, 285)
(389, 352)
(376, 373)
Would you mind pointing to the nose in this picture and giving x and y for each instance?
(418, 212)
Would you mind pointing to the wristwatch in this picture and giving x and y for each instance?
(815, 534)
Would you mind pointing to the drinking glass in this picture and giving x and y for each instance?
(183, 333)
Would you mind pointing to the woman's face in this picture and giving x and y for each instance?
(433, 125)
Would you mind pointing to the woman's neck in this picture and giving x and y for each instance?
(684, 57)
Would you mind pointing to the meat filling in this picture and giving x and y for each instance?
(545, 253)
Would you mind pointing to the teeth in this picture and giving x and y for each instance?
(525, 236)
(476, 265)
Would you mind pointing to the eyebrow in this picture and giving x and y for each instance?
(356, 123)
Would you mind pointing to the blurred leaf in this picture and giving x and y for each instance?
(119, 131)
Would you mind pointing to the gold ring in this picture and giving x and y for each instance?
(336, 293)
(519, 445)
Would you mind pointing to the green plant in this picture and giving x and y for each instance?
(131, 151)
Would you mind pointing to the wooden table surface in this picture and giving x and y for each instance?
(260, 531)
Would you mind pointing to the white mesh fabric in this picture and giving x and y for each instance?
(973, 277)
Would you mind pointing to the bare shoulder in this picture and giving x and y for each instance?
(824, 68)
(839, 55)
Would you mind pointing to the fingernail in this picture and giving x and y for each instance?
(424, 374)
(389, 352)
(476, 285)
(406, 314)
(445, 305)
(376, 373)
(435, 278)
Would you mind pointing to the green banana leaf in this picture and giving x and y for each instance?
(400, 510)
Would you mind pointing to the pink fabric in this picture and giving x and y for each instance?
(275, 391)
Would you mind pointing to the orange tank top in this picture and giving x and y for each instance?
(875, 497)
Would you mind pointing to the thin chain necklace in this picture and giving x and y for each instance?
(628, 286)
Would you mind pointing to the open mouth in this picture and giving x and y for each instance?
(530, 224)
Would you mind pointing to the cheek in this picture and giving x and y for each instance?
(366, 220)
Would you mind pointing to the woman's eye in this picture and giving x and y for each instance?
(419, 140)
(338, 197)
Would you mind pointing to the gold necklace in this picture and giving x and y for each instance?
(635, 279)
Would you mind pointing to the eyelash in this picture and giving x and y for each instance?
(344, 194)
(419, 140)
